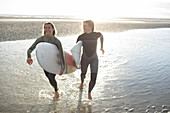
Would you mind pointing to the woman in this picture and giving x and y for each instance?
(48, 35)
(89, 39)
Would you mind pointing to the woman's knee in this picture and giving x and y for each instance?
(93, 77)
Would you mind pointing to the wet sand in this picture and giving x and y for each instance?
(20, 30)
(133, 74)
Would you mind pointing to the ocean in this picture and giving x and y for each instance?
(133, 77)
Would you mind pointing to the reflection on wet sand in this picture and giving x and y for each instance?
(79, 101)
(81, 107)
(133, 75)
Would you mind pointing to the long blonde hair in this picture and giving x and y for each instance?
(52, 25)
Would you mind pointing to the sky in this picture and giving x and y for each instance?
(88, 8)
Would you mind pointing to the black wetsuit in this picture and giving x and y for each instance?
(90, 55)
(52, 40)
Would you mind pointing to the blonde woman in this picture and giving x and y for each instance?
(89, 57)
(48, 35)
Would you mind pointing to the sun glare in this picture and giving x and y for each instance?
(99, 10)
(87, 9)
(104, 9)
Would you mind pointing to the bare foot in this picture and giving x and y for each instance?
(81, 86)
(89, 96)
(56, 95)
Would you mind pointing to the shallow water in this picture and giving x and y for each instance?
(133, 74)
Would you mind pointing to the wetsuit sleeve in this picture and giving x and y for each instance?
(101, 41)
(77, 40)
(59, 45)
(29, 51)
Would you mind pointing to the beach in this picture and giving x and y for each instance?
(20, 29)
(133, 73)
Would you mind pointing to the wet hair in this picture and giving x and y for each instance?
(90, 23)
(52, 25)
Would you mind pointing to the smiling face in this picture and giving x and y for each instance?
(48, 30)
(87, 28)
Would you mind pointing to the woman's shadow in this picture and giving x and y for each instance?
(82, 108)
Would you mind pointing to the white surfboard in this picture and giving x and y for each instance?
(49, 59)
(76, 53)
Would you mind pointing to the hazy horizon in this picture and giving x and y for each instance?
(96, 9)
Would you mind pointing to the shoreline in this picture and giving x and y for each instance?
(61, 17)
(21, 30)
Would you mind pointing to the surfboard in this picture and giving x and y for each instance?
(49, 58)
(76, 53)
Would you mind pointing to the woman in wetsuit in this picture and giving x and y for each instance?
(48, 35)
(89, 39)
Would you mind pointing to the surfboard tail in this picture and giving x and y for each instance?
(69, 63)
(76, 53)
